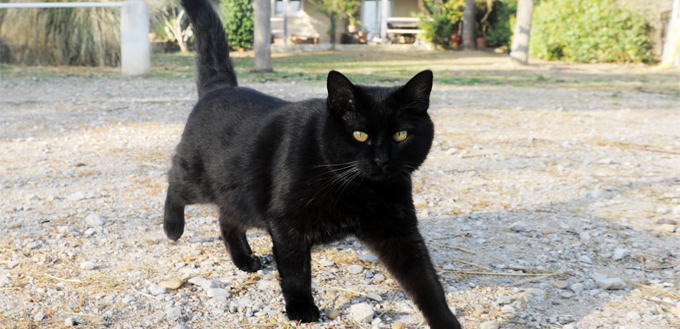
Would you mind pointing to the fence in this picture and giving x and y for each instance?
(135, 50)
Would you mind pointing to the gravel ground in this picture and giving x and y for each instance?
(543, 208)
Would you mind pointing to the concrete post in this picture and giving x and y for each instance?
(135, 50)
(384, 14)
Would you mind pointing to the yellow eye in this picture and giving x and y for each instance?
(400, 136)
(360, 136)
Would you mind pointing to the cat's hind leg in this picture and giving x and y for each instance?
(237, 245)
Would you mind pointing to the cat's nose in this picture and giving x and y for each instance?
(381, 160)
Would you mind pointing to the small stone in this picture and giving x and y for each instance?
(333, 314)
(379, 277)
(585, 259)
(12, 264)
(369, 258)
(326, 263)
(87, 265)
(477, 312)
(39, 316)
(172, 284)
(362, 312)
(632, 315)
(156, 290)
(518, 226)
(560, 284)
(504, 300)
(507, 309)
(567, 294)
(397, 325)
(667, 228)
(174, 313)
(94, 220)
(70, 322)
(75, 197)
(662, 210)
(620, 253)
(374, 297)
(355, 269)
(128, 298)
(489, 325)
(610, 284)
(577, 288)
(218, 292)
(197, 280)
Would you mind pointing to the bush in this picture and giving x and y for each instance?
(502, 23)
(239, 24)
(438, 21)
(589, 31)
(63, 36)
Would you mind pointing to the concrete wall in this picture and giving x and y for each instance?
(654, 11)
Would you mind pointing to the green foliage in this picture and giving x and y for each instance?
(501, 29)
(62, 36)
(438, 20)
(239, 23)
(589, 31)
(337, 9)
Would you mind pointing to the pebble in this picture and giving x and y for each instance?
(610, 283)
(374, 297)
(174, 313)
(156, 290)
(94, 220)
(217, 292)
(77, 196)
(326, 263)
(507, 309)
(87, 265)
(70, 322)
(489, 325)
(632, 315)
(620, 253)
(39, 316)
(369, 258)
(355, 269)
(504, 300)
(172, 284)
(585, 259)
(577, 288)
(362, 312)
(333, 314)
(12, 264)
(397, 325)
(518, 226)
(560, 284)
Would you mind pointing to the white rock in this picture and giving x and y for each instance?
(156, 290)
(39, 316)
(632, 315)
(362, 312)
(369, 258)
(174, 313)
(489, 325)
(87, 265)
(585, 259)
(374, 297)
(611, 284)
(355, 269)
(70, 322)
(620, 253)
(217, 292)
(504, 300)
(12, 264)
(518, 226)
(326, 263)
(94, 220)
(76, 196)
(507, 309)
(577, 288)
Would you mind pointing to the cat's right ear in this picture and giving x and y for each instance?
(341, 93)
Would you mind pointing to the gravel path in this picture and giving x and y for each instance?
(543, 208)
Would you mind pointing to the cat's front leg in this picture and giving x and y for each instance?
(402, 250)
(293, 260)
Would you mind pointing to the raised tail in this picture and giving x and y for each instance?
(215, 69)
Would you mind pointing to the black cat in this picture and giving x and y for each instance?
(308, 172)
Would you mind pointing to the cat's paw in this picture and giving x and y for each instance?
(303, 312)
(173, 228)
(251, 264)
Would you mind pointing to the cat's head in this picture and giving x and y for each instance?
(380, 133)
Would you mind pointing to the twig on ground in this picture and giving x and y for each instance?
(494, 273)
(665, 292)
(61, 279)
(452, 247)
(462, 261)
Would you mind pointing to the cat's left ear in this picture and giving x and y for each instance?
(341, 93)
(417, 90)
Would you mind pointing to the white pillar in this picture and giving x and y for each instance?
(383, 19)
(135, 50)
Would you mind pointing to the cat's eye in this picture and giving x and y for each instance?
(400, 136)
(360, 135)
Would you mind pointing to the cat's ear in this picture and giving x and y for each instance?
(341, 93)
(416, 92)
(419, 87)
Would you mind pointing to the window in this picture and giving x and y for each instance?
(294, 6)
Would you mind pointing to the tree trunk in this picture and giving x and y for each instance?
(519, 51)
(263, 36)
(469, 41)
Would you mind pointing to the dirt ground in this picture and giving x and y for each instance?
(544, 206)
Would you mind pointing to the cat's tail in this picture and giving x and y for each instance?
(213, 65)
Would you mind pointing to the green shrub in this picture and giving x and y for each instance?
(588, 31)
(239, 24)
(438, 20)
(502, 23)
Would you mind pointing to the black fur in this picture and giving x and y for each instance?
(295, 170)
